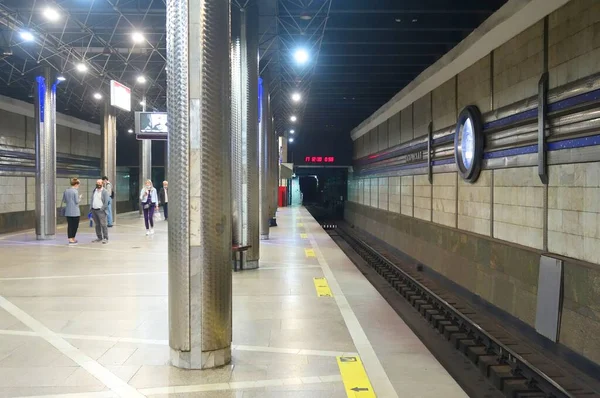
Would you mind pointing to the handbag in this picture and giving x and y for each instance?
(157, 215)
(146, 206)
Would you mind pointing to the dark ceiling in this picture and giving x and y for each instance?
(362, 52)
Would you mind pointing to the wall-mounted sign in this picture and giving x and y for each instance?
(319, 159)
(468, 143)
(415, 157)
(151, 125)
(120, 96)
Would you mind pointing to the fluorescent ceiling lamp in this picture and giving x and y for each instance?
(27, 36)
(137, 37)
(141, 79)
(130, 131)
(81, 67)
(291, 139)
(301, 56)
(98, 96)
(293, 118)
(292, 131)
(61, 78)
(51, 14)
(296, 97)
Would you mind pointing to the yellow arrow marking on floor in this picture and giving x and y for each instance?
(300, 224)
(322, 287)
(355, 378)
(309, 252)
(304, 236)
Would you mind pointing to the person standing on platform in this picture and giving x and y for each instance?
(149, 200)
(164, 199)
(71, 199)
(99, 208)
(108, 186)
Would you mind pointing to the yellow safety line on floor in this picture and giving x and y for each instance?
(322, 287)
(309, 252)
(356, 381)
(304, 236)
(300, 224)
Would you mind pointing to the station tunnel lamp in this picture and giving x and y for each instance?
(137, 37)
(301, 56)
(293, 118)
(143, 103)
(141, 79)
(97, 96)
(26, 36)
(291, 139)
(130, 131)
(296, 97)
(292, 131)
(81, 67)
(51, 14)
(61, 78)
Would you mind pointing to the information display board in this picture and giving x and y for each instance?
(120, 96)
(151, 125)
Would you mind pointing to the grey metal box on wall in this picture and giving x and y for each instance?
(549, 298)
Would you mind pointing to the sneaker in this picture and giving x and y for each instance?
(109, 226)
(104, 241)
(72, 243)
(147, 232)
(97, 240)
(152, 231)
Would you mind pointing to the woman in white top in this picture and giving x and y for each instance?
(149, 201)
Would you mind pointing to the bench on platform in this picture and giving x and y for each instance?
(238, 249)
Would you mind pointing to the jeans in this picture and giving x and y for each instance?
(166, 210)
(99, 217)
(110, 213)
(72, 226)
(149, 216)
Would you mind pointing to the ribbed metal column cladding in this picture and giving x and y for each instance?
(244, 94)
(45, 156)
(109, 149)
(199, 110)
(252, 226)
(275, 173)
(237, 130)
(263, 161)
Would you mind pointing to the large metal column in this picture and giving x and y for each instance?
(200, 187)
(263, 159)
(244, 95)
(166, 161)
(145, 159)
(109, 149)
(45, 156)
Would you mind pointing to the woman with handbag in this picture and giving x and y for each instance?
(149, 200)
(71, 199)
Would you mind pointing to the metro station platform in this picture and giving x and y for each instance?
(91, 321)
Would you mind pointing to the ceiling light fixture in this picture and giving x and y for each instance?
(293, 118)
(142, 103)
(137, 37)
(292, 131)
(51, 14)
(305, 16)
(296, 97)
(81, 67)
(301, 56)
(141, 79)
(130, 131)
(291, 139)
(27, 36)
(97, 96)
(61, 78)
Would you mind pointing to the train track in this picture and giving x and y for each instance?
(511, 366)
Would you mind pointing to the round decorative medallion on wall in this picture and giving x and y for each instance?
(468, 143)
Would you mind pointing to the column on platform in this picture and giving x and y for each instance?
(244, 96)
(45, 155)
(109, 150)
(198, 92)
(263, 160)
(166, 161)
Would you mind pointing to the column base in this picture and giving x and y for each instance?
(264, 237)
(45, 237)
(201, 359)
(251, 264)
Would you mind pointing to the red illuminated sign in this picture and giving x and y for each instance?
(319, 159)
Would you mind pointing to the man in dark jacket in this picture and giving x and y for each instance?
(163, 197)
(99, 209)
